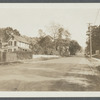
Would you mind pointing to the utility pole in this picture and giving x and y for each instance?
(89, 32)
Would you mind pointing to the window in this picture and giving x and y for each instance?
(12, 38)
(5, 50)
(0, 45)
(10, 43)
(15, 43)
(14, 49)
(9, 50)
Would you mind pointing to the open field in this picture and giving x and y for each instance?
(63, 74)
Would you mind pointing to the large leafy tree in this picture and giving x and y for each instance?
(95, 37)
(10, 30)
(58, 42)
(6, 32)
(41, 33)
(46, 43)
(61, 38)
(74, 47)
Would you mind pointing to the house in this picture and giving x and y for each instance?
(49, 38)
(15, 43)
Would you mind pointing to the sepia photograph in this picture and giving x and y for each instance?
(49, 47)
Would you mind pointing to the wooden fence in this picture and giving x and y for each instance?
(8, 57)
(14, 56)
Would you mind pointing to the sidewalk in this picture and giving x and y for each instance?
(96, 61)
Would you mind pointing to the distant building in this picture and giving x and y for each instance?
(15, 43)
(48, 37)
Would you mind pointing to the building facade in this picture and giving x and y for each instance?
(15, 43)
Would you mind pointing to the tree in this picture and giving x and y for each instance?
(63, 40)
(16, 32)
(5, 33)
(37, 49)
(46, 43)
(41, 33)
(95, 37)
(61, 37)
(74, 47)
(10, 30)
(58, 31)
(57, 42)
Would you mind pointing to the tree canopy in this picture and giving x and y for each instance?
(6, 32)
(95, 37)
(58, 42)
(74, 47)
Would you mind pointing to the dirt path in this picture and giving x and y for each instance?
(63, 74)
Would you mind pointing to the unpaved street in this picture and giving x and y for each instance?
(63, 74)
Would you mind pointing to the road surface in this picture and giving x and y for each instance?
(63, 74)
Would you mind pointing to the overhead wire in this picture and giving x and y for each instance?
(97, 16)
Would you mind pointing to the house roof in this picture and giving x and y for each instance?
(49, 37)
(20, 38)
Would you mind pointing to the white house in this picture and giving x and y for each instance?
(16, 43)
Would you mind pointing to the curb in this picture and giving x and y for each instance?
(96, 59)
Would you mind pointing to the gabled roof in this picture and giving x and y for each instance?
(49, 37)
(20, 39)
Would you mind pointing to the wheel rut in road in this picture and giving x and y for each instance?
(64, 74)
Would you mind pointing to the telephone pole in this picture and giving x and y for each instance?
(89, 33)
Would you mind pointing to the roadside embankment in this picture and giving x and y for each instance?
(34, 58)
(95, 63)
(45, 57)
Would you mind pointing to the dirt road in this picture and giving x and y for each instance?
(63, 74)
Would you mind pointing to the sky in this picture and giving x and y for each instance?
(29, 18)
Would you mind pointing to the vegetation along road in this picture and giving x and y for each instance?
(63, 74)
